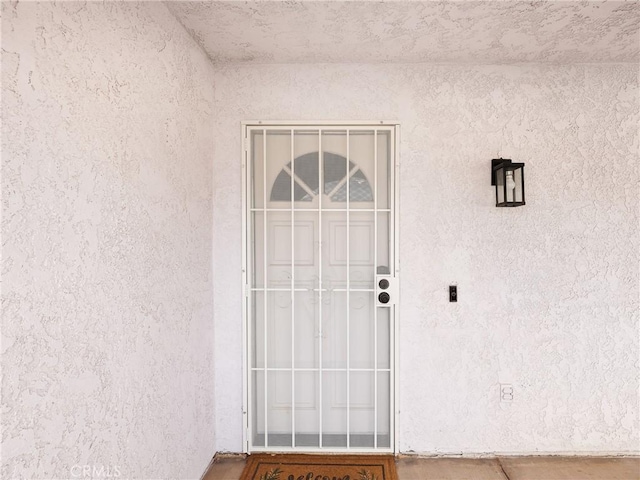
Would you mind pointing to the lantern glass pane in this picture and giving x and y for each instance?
(517, 177)
(500, 185)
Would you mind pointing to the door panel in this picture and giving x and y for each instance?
(318, 236)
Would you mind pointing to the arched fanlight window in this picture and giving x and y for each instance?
(306, 181)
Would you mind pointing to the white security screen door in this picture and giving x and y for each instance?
(320, 287)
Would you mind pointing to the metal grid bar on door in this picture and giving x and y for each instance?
(325, 369)
(320, 290)
(348, 333)
(275, 289)
(375, 272)
(293, 294)
(265, 296)
(316, 210)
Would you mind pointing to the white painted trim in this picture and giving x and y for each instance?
(569, 454)
(245, 287)
(395, 171)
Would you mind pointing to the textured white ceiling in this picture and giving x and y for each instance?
(495, 31)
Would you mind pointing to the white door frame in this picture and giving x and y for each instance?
(246, 235)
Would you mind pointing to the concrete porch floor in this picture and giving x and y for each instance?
(500, 468)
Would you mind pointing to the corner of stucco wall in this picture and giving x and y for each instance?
(195, 44)
(107, 325)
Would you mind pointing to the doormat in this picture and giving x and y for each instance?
(319, 467)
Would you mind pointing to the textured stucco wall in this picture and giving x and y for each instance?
(548, 293)
(106, 230)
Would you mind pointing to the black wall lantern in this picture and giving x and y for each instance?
(508, 177)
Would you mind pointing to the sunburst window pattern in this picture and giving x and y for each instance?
(307, 179)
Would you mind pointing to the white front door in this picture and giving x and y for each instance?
(320, 282)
